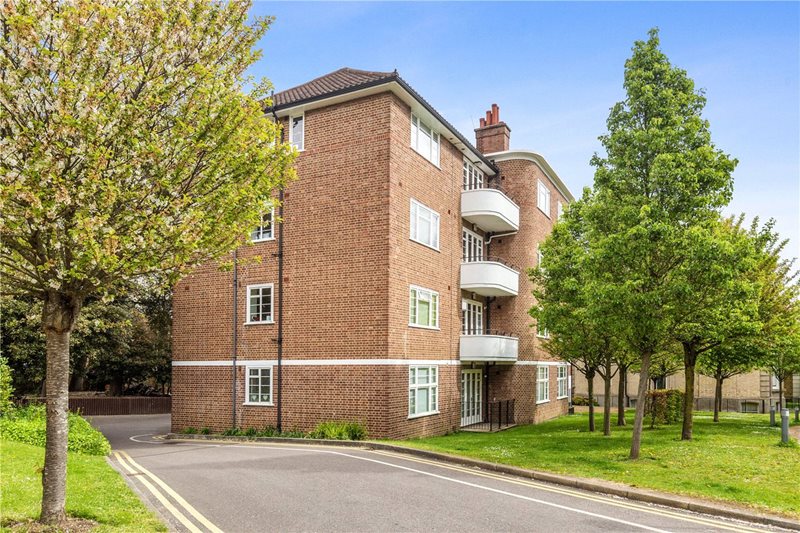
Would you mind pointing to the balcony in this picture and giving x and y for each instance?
(489, 346)
(490, 209)
(489, 276)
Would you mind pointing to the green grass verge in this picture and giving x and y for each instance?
(737, 460)
(95, 491)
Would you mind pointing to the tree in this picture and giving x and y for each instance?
(725, 361)
(130, 147)
(625, 361)
(717, 299)
(560, 287)
(661, 178)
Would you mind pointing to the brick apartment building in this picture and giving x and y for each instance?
(393, 289)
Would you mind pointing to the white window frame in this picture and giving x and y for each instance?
(472, 177)
(542, 333)
(413, 307)
(543, 198)
(471, 309)
(271, 320)
(542, 384)
(432, 387)
(247, 385)
(562, 379)
(471, 241)
(774, 382)
(417, 210)
(539, 257)
(301, 146)
(260, 228)
(559, 209)
(436, 140)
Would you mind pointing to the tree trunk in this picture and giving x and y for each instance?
(590, 381)
(689, 362)
(717, 397)
(607, 402)
(623, 376)
(638, 419)
(77, 381)
(58, 318)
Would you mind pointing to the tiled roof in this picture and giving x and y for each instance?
(336, 81)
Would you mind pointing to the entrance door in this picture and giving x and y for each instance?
(471, 397)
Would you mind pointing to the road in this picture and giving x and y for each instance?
(248, 487)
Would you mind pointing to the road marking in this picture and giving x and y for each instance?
(471, 471)
(177, 497)
(576, 494)
(161, 498)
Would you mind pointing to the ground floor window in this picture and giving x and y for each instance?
(562, 382)
(542, 384)
(259, 385)
(423, 390)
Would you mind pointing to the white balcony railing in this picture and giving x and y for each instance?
(489, 276)
(490, 209)
(489, 346)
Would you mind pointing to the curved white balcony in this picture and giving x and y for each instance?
(490, 209)
(489, 347)
(489, 277)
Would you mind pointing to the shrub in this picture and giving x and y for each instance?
(29, 425)
(339, 431)
(250, 432)
(189, 431)
(582, 400)
(232, 432)
(294, 433)
(205, 431)
(268, 431)
(6, 390)
(664, 406)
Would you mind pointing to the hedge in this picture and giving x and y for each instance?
(664, 406)
(29, 425)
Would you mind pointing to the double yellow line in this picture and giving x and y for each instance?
(577, 494)
(142, 474)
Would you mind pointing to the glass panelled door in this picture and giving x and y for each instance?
(471, 245)
(471, 317)
(471, 397)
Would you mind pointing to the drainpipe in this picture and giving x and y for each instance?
(235, 339)
(279, 340)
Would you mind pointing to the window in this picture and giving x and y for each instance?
(562, 382)
(471, 317)
(423, 308)
(264, 231)
(542, 333)
(539, 257)
(776, 384)
(424, 225)
(559, 209)
(297, 132)
(259, 385)
(423, 390)
(542, 384)
(471, 246)
(473, 178)
(750, 407)
(424, 140)
(543, 201)
(259, 304)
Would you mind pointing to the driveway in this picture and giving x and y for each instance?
(276, 487)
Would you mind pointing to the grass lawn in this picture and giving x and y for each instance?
(737, 460)
(95, 491)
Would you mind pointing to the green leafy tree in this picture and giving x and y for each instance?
(716, 300)
(660, 179)
(725, 361)
(625, 361)
(6, 387)
(131, 146)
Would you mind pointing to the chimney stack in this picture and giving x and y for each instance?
(492, 135)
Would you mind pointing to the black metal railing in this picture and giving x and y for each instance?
(498, 332)
(496, 415)
(490, 258)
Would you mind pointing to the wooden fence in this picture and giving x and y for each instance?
(116, 405)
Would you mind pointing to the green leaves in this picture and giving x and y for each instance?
(129, 143)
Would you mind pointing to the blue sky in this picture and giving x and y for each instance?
(555, 69)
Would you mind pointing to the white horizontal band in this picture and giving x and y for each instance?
(349, 362)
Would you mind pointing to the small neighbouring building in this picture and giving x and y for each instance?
(391, 286)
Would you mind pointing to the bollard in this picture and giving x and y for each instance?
(785, 426)
(797, 414)
(772, 415)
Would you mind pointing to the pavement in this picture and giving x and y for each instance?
(202, 486)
